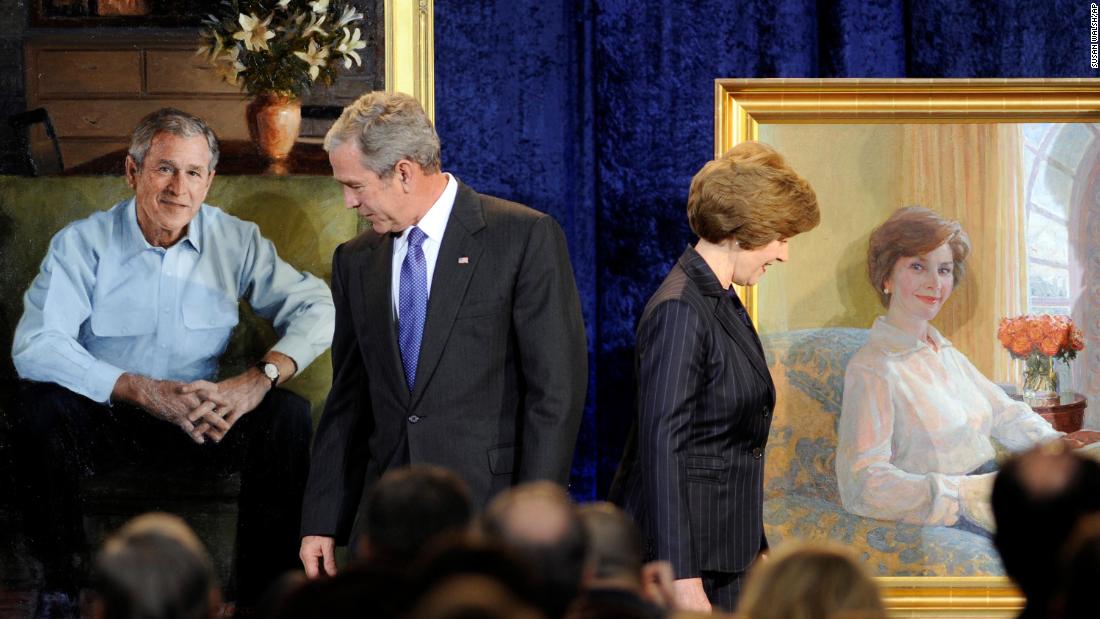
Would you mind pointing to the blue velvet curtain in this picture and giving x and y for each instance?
(600, 111)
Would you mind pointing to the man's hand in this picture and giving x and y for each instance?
(318, 555)
(227, 400)
(234, 397)
(690, 595)
(167, 401)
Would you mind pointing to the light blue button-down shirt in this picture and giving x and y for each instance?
(107, 302)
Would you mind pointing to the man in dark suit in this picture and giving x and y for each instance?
(459, 338)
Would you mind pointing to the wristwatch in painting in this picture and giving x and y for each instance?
(270, 370)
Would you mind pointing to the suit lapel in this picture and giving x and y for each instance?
(741, 334)
(377, 278)
(449, 282)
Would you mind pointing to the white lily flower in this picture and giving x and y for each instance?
(319, 6)
(213, 49)
(254, 33)
(315, 26)
(347, 46)
(349, 15)
(315, 57)
(229, 65)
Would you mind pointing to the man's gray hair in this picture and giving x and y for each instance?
(387, 127)
(176, 122)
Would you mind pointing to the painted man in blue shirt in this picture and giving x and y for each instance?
(120, 339)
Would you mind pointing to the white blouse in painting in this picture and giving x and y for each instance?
(915, 420)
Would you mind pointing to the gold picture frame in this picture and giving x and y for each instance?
(742, 106)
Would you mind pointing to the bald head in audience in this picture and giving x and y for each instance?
(540, 522)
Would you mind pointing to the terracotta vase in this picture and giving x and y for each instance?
(273, 122)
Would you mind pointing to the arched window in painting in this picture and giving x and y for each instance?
(1062, 175)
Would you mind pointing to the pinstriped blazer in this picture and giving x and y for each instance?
(692, 473)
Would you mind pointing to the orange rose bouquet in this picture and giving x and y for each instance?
(1039, 340)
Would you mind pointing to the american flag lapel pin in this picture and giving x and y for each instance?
(464, 260)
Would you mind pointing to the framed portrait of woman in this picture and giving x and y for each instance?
(1017, 164)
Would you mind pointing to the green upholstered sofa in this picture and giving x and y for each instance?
(801, 500)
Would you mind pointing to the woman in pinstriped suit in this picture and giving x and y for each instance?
(692, 472)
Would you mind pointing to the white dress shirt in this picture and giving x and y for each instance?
(433, 224)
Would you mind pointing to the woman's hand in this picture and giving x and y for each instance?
(1081, 438)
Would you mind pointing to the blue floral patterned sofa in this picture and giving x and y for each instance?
(801, 500)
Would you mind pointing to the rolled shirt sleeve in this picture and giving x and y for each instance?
(1015, 425)
(45, 347)
(298, 303)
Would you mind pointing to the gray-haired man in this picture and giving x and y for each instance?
(459, 338)
(120, 339)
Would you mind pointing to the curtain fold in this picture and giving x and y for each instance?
(972, 173)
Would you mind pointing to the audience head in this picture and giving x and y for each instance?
(541, 523)
(154, 567)
(1080, 571)
(615, 551)
(751, 195)
(350, 593)
(408, 508)
(913, 231)
(387, 127)
(805, 581)
(1038, 497)
(175, 122)
(474, 578)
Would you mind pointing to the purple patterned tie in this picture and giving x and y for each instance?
(412, 305)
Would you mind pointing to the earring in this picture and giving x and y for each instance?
(885, 290)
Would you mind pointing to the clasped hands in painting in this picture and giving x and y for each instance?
(202, 409)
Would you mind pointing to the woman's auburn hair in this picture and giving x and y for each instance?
(913, 231)
(750, 194)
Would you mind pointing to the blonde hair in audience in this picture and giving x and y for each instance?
(810, 581)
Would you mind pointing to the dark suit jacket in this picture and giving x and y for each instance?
(692, 473)
(502, 373)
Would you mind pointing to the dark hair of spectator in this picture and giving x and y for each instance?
(408, 507)
(454, 555)
(1080, 571)
(1038, 497)
(614, 544)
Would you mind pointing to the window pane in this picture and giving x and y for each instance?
(1046, 282)
(1070, 144)
(1047, 239)
(1052, 189)
(1034, 132)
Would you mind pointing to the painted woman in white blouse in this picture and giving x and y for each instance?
(917, 417)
